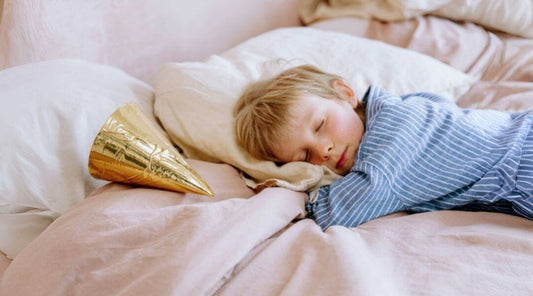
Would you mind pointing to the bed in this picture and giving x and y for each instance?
(67, 65)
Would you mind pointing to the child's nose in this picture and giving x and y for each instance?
(324, 151)
(327, 152)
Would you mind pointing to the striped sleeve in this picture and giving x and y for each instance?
(353, 200)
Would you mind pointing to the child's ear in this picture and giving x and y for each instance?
(345, 91)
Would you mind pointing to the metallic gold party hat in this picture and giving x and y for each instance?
(130, 149)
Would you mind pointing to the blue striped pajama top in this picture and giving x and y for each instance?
(421, 152)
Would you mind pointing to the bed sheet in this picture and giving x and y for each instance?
(137, 241)
(501, 63)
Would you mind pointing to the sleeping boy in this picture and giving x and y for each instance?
(418, 152)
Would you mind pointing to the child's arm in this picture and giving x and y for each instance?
(353, 200)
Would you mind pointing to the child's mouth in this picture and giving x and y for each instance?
(342, 159)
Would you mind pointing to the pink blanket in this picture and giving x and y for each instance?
(136, 241)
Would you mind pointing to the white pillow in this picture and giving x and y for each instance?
(50, 114)
(194, 101)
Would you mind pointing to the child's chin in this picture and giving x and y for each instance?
(342, 171)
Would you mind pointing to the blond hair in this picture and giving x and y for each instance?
(262, 111)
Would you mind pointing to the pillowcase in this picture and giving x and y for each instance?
(194, 101)
(515, 17)
(52, 112)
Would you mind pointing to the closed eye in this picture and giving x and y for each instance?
(320, 125)
(307, 153)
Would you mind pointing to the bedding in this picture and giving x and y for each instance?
(514, 17)
(131, 240)
(502, 64)
(138, 241)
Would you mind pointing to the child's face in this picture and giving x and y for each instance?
(323, 132)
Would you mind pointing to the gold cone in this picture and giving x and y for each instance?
(130, 149)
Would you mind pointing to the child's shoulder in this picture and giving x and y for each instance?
(376, 98)
(376, 92)
(379, 95)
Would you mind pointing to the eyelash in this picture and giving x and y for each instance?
(316, 130)
(320, 125)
